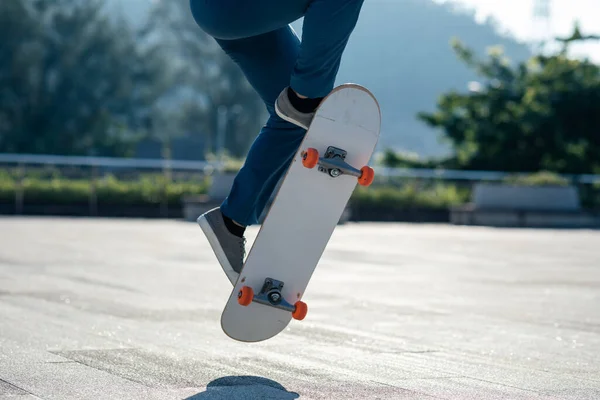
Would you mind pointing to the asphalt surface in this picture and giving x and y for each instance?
(129, 309)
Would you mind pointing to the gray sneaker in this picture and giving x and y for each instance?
(229, 249)
(285, 110)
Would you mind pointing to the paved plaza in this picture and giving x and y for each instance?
(129, 309)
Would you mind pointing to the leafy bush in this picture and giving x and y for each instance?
(437, 196)
(148, 189)
(392, 159)
(543, 178)
(7, 186)
(590, 196)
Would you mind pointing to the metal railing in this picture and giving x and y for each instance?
(210, 167)
(108, 162)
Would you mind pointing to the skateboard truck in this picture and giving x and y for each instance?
(270, 295)
(334, 164)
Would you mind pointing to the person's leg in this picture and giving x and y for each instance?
(327, 27)
(257, 37)
(267, 161)
(267, 61)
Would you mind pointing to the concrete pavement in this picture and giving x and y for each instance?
(129, 309)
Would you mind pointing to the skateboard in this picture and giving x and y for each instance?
(331, 160)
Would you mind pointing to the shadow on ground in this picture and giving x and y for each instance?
(244, 387)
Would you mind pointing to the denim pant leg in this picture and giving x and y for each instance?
(267, 61)
(268, 159)
(326, 31)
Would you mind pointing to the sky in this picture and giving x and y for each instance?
(516, 17)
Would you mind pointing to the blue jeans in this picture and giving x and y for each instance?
(257, 36)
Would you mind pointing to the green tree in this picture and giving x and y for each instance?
(540, 115)
(202, 81)
(393, 159)
(72, 81)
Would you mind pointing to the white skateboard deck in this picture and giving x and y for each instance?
(304, 214)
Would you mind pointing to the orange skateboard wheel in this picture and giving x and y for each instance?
(300, 311)
(367, 175)
(310, 158)
(245, 296)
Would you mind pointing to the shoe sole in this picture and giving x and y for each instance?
(214, 243)
(288, 119)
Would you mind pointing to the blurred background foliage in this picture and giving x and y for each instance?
(77, 79)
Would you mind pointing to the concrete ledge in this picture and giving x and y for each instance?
(194, 206)
(469, 215)
(534, 198)
(524, 206)
(372, 213)
(221, 185)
